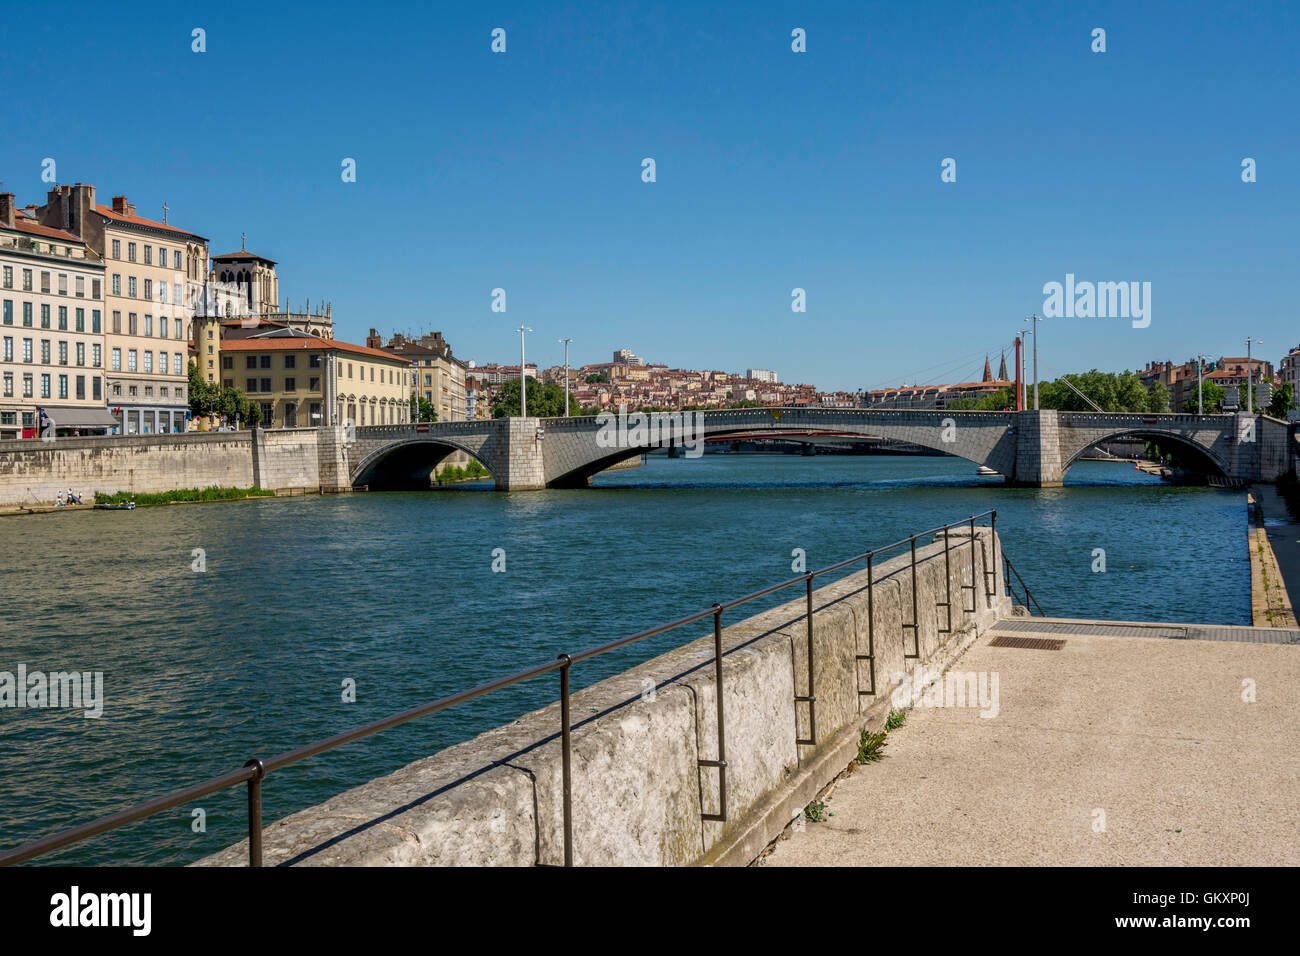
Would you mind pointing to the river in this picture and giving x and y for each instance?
(395, 591)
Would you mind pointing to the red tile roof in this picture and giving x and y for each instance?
(141, 221)
(305, 342)
(24, 224)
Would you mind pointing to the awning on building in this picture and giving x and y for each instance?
(83, 416)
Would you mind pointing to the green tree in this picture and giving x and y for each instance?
(544, 401)
(204, 395)
(597, 377)
(424, 413)
(1158, 397)
(1213, 395)
(1283, 401)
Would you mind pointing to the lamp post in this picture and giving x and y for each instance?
(1035, 320)
(523, 382)
(1200, 391)
(565, 342)
(1250, 383)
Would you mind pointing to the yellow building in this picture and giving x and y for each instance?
(151, 271)
(302, 380)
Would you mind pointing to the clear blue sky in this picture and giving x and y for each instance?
(775, 170)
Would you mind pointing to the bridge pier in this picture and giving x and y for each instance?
(518, 464)
(1038, 450)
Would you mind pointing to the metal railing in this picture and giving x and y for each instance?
(1008, 571)
(255, 770)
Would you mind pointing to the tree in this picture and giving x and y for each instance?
(1213, 396)
(204, 395)
(1158, 397)
(544, 401)
(1283, 401)
(597, 377)
(424, 413)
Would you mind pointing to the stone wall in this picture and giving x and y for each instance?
(35, 471)
(638, 788)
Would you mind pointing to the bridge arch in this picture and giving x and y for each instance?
(1203, 459)
(408, 465)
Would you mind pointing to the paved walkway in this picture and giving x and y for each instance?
(1283, 533)
(1150, 731)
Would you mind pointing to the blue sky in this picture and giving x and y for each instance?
(775, 170)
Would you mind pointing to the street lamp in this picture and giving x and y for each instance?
(565, 343)
(1200, 394)
(1035, 320)
(523, 384)
(1021, 358)
(1250, 384)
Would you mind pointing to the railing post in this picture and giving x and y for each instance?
(721, 762)
(916, 617)
(871, 635)
(991, 567)
(811, 699)
(255, 813)
(947, 583)
(566, 757)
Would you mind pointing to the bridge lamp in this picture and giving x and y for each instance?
(523, 374)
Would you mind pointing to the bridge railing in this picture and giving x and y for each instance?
(254, 771)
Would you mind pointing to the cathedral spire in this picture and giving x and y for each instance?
(1002, 369)
(988, 372)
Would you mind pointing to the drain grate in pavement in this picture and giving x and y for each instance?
(1028, 643)
(1209, 632)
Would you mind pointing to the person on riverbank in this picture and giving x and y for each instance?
(59, 504)
(73, 499)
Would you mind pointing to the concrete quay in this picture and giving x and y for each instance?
(1118, 749)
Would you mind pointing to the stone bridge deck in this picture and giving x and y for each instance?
(1028, 448)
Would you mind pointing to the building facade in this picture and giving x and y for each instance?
(437, 376)
(51, 331)
(153, 272)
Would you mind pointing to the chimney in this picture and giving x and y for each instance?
(122, 207)
(373, 340)
(7, 210)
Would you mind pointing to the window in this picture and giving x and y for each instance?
(266, 385)
(148, 256)
(63, 353)
(315, 385)
(117, 248)
(9, 277)
(227, 361)
(148, 361)
(227, 383)
(117, 322)
(63, 318)
(63, 386)
(130, 323)
(131, 360)
(8, 348)
(27, 350)
(45, 281)
(162, 391)
(290, 385)
(81, 287)
(117, 284)
(9, 312)
(148, 286)
(148, 325)
(250, 361)
(130, 251)
(45, 351)
(63, 283)
(250, 385)
(313, 361)
(176, 259)
(178, 368)
(27, 385)
(81, 387)
(81, 353)
(81, 320)
(45, 385)
(117, 360)
(162, 292)
(266, 362)
(148, 391)
(45, 316)
(9, 390)
(27, 314)
(131, 288)
(162, 257)
(96, 354)
(27, 283)
(96, 286)
(162, 326)
(94, 389)
(290, 361)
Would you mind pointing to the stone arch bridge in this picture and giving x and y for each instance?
(1034, 448)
